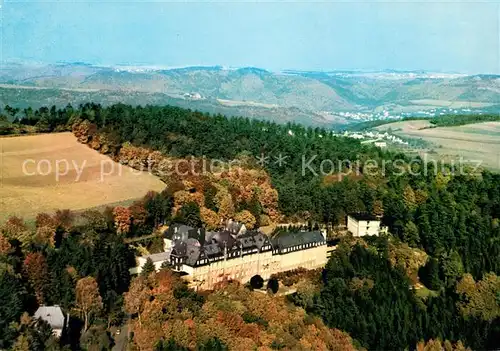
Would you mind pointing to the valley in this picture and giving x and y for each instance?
(331, 98)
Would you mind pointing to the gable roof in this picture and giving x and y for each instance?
(157, 257)
(235, 227)
(363, 217)
(253, 239)
(177, 228)
(52, 315)
(290, 239)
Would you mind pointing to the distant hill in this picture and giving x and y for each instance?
(318, 98)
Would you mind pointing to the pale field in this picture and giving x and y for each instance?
(473, 142)
(81, 184)
(245, 103)
(450, 104)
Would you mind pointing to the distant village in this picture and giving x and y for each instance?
(379, 139)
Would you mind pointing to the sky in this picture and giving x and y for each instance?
(461, 37)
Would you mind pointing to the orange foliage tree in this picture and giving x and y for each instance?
(210, 218)
(5, 246)
(88, 299)
(37, 272)
(245, 217)
(241, 319)
(123, 218)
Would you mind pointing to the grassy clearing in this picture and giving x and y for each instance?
(81, 184)
(479, 142)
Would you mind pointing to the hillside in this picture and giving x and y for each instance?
(474, 142)
(432, 280)
(318, 98)
(31, 183)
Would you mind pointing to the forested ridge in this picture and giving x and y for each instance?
(365, 290)
(457, 120)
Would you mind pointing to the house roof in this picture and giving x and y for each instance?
(52, 315)
(193, 254)
(363, 217)
(290, 239)
(179, 248)
(162, 256)
(212, 250)
(179, 229)
(253, 239)
(181, 232)
(235, 227)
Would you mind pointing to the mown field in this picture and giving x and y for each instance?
(42, 173)
(473, 142)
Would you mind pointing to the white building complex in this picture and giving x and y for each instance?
(206, 258)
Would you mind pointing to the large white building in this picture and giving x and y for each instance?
(206, 258)
(363, 224)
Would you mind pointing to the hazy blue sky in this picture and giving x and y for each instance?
(462, 37)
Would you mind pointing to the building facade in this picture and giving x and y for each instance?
(207, 258)
(363, 224)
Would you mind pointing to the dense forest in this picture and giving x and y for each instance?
(458, 120)
(366, 289)
(440, 121)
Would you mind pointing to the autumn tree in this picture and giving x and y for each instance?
(45, 235)
(37, 272)
(438, 345)
(137, 296)
(44, 220)
(5, 246)
(64, 219)
(480, 299)
(224, 203)
(122, 217)
(84, 131)
(138, 214)
(409, 197)
(210, 218)
(15, 228)
(378, 208)
(88, 299)
(246, 218)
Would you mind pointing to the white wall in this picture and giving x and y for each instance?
(362, 228)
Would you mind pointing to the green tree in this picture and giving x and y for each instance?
(429, 274)
(452, 267)
(189, 214)
(148, 267)
(273, 285)
(410, 234)
(256, 282)
(212, 344)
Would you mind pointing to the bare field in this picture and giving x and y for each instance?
(43, 173)
(450, 104)
(474, 142)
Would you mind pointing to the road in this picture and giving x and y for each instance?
(121, 340)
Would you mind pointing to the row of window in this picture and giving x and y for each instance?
(300, 247)
(264, 248)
